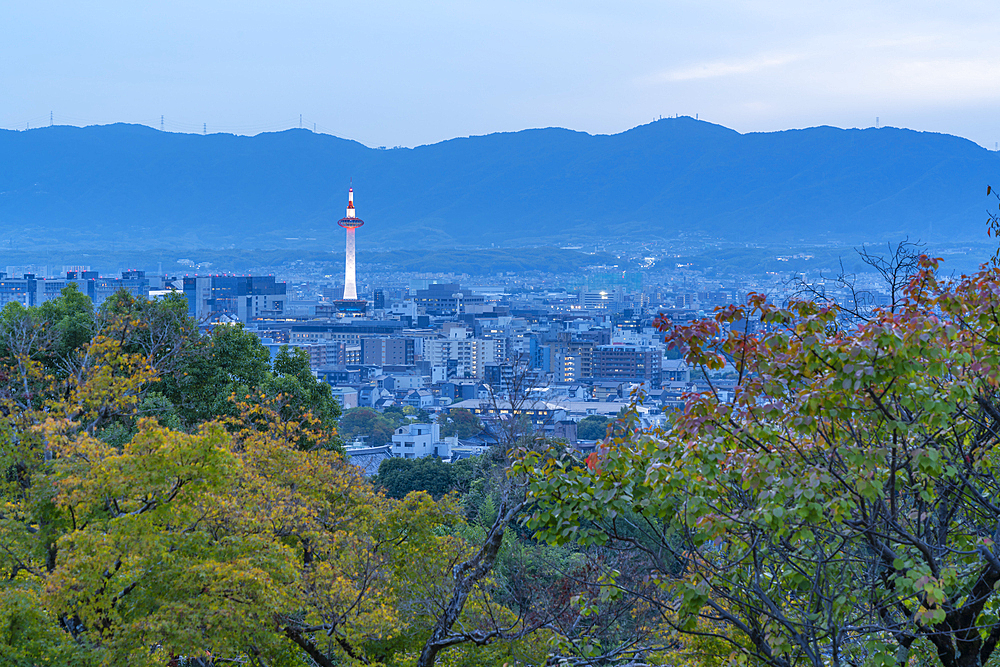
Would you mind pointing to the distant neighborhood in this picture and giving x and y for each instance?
(552, 356)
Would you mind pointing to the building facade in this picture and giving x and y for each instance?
(245, 298)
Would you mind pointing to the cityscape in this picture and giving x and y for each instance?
(586, 344)
(500, 334)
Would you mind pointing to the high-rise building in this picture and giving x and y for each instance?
(34, 291)
(383, 350)
(631, 363)
(242, 297)
(350, 304)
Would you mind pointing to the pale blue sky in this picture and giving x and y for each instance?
(407, 73)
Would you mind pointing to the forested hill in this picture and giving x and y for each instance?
(146, 188)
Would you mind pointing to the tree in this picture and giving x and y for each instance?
(841, 510)
(232, 541)
(293, 383)
(592, 427)
(895, 269)
(51, 333)
(470, 578)
(396, 415)
(460, 422)
(369, 423)
(399, 476)
(168, 497)
(230, 361)
(993, 224)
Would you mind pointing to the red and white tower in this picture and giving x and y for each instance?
(350, 303)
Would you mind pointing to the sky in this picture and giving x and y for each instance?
(388, 73)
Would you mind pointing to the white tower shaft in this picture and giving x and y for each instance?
(350, 280)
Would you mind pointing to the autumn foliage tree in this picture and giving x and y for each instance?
(841, 510)
(142, 527)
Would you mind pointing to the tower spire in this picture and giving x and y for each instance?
(350, 303)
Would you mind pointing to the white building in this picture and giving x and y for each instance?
(471, 355)
(416, 440)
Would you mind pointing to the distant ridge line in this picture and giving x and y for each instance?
(668, 177)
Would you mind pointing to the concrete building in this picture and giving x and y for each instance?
(632, 363)
(385, 350)
(342, 353)
(468, 357)
(347, 397)
(31, 290)
(348, 330)
(449, 299)
(416, 440)
(19, 290)
(245, 298)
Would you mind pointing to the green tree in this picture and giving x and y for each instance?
(230, 362)
(400, 476)
(367, 422)
(396, 415)
(592, 427)
(50, 333)
(301, 392)
(460, 422)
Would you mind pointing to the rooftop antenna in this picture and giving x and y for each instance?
(314, 127)
(204, 128)
(161, 122)
(300, 121)
(50, 119)
(876, 122)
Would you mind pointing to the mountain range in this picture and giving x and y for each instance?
(135, 186)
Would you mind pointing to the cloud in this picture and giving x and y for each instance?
(720, 68)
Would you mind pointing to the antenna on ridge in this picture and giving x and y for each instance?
(204, 128)
(161, 122)
(300, 121)
(50, 119)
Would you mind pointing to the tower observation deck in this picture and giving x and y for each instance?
(350, 304)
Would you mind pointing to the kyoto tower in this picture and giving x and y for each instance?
(350, 303)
